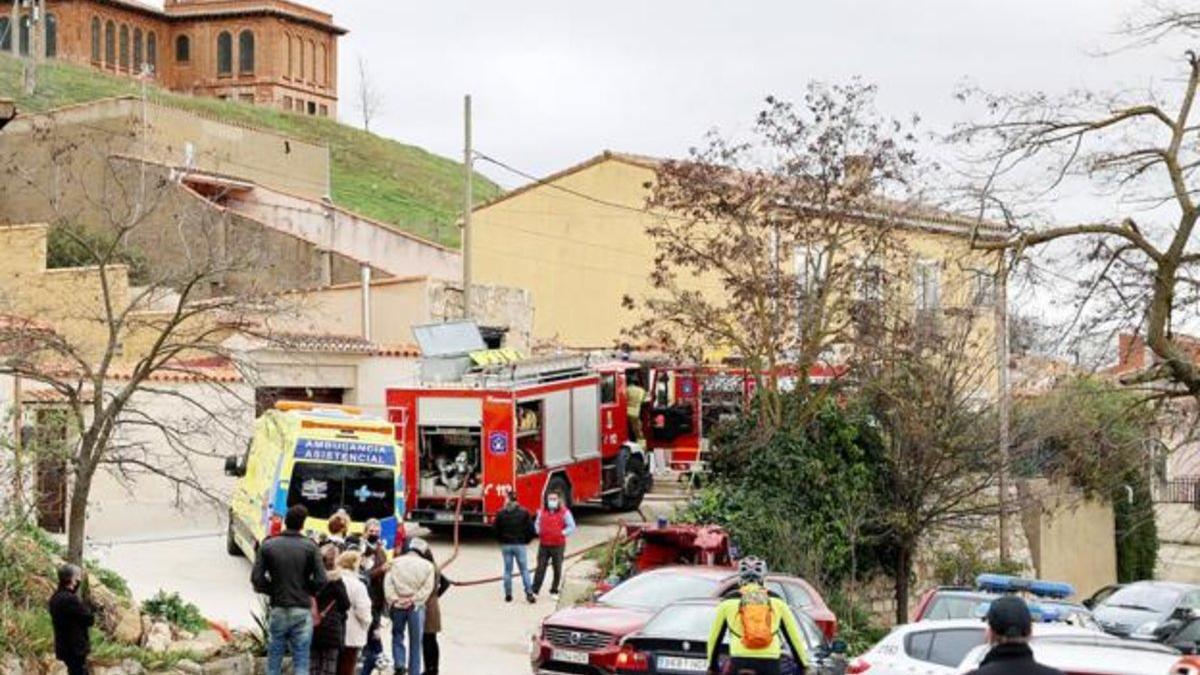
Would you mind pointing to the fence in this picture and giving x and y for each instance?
(1178, 491)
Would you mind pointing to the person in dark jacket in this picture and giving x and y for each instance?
(514, 530)
(289, 571)
(333, 602)
(72, 617)
(554, 523)
(1009, 627)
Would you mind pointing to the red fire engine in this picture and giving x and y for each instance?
(532, 426)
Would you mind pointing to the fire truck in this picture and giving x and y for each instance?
(478, 426)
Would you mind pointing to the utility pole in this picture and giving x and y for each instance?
(14, 29)
(468, 170)
(1001, 302)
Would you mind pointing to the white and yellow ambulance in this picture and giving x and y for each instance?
(326, 457)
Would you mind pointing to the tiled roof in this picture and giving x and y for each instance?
(339, 344)
(883, 209)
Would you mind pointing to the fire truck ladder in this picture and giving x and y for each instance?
(532, 371)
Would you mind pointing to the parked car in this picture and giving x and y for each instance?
(1181, 631)
(1140, 610)
(1091, 653)
(941, 604)
(939, 647)
(1101, 595)
(586, 639)
(675, 641)
(1045, 598)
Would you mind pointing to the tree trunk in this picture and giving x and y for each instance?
(14, 29)
(903, 574)
(77, 516)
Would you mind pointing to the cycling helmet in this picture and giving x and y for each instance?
(752, 569)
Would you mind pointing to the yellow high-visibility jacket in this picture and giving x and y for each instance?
(783, 625)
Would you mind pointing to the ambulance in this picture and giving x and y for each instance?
(326, 457)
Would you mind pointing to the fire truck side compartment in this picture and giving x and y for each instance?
(450, 441)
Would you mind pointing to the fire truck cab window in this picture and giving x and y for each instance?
(530, 439)
(608, 388)
(450, 461)
(662, 391)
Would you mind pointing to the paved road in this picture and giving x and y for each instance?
(478, 627)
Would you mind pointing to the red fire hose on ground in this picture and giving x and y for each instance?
(491, 580)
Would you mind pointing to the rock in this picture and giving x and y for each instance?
(11, 664)
(126, 667)
(158, 638)
(203, 651)
(182, 635)
(120, 619)
(242, 664)
(189, 667)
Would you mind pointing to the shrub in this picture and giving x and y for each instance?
(176, 611)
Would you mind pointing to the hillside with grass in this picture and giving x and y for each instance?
(403, 185)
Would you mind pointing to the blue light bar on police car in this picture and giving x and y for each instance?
(1003, 583)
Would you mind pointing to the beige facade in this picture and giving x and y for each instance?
(264, 52)
(1061, 525)
(577, 241)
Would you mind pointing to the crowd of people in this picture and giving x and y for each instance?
(329, 596)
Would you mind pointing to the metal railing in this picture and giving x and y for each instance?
(1178, 491)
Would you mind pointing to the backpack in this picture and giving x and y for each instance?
(758, 618)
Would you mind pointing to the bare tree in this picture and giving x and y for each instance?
(370, 97)
(1137, 151)
(110, 351)
(933, 402)
(767, 248)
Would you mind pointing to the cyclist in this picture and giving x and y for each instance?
(759, 623)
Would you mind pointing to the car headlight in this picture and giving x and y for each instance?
(1146, 630)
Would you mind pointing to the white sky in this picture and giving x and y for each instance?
(555, 82)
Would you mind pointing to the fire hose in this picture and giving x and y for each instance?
(613, 543)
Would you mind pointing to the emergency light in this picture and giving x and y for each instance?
(1039, 612)
(1002, 583)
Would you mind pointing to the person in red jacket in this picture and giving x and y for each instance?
(554, 524)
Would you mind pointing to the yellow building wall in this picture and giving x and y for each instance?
(69, 299)
(579, 257)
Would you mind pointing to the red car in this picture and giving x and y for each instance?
(1190, 665)
(585, 640)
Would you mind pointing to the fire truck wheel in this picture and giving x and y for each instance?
(634, 485)
(561, 486)
(231, 545)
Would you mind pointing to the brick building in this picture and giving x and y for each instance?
(266, 52)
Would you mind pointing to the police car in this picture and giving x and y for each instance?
(964, 603)
(939, 647)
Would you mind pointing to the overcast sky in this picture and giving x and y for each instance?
(556, 82)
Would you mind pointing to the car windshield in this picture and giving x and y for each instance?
(946, 606)
(1145, 598)
(655, 591)
(365, 492)
(682, 622)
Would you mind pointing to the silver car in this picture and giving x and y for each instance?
(1082, 653)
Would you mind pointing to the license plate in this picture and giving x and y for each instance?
(681, 665)
(444, 516)
(569, 656)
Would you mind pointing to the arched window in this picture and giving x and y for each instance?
(300, 53)
(96, 39)
(152, 51)
(287, 45)
(312, 54)
(183, 49)
(110, 44)
(5, 34)
(224, 54)
(24, 36)
(51, 35)
(246, 52)
(139, 50)
(124, 47)
(323, 67)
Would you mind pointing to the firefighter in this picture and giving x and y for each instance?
(757, 621)
(635, 396)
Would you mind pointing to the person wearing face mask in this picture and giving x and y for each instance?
(71, 617)
(373, 569)
(554, 524)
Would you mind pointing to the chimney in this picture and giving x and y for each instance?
(1131, 353)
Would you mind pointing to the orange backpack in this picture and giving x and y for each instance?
(758, 619)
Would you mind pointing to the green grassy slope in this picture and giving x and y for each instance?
(400, 184)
